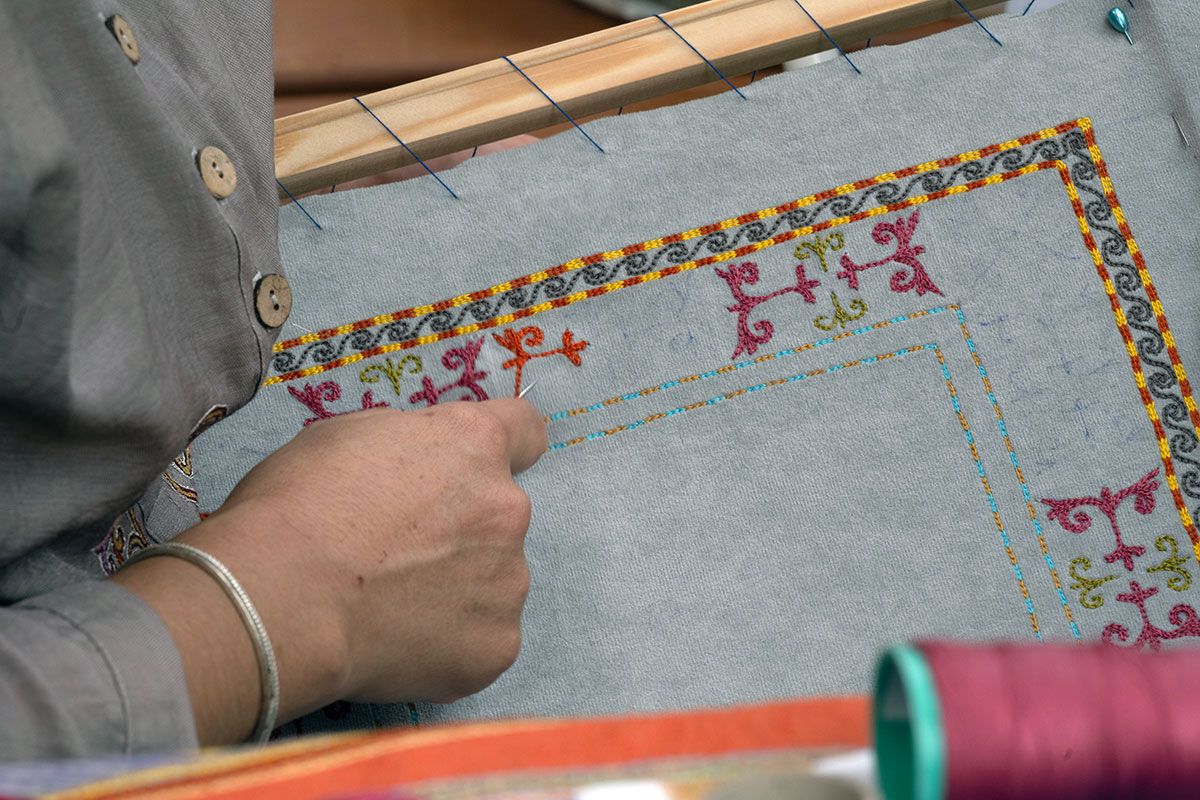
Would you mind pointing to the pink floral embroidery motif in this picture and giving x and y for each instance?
(747, 273)
(1182, 616)
(902, 231)
(456, 358)
(1142, 493)
(315, 398)
(511, 340)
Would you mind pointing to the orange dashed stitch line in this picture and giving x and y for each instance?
(968, 341)
(987, 488)
(732, 367)
(962, 420)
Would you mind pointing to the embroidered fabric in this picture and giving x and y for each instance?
(837, 385)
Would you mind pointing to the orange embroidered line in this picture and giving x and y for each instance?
(737, 393)
(579, 263)
(1016, 465)
(649, 276)
(1164, 445)
(987, 385)
(741, 365)
(1084, 124)
(1012, 556)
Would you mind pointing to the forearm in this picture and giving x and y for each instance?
(88, 670)
(216, 650)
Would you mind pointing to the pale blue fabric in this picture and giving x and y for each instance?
(769, 544)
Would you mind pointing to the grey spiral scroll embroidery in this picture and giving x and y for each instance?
(669, 254)
(1157, 369)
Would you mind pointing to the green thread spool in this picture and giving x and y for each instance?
(910, 742)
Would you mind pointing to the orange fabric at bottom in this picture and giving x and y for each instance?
(365, 763)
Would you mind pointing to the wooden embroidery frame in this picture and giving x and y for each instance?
(586, 75)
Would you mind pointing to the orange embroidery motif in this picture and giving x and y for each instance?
(512, 341)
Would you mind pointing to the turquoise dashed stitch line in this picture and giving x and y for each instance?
(1012, 455)
(829, 340)
(749, 363)
(835, 368)
(634, 425)
(991, 500)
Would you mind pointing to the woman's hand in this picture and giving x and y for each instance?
(384, 552)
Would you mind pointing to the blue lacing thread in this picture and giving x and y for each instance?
(406, 147)
(297, 202)
(556, 105)
(827, 36)
(697, 52)
(980, 24)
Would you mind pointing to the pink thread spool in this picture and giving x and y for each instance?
(1027, 722)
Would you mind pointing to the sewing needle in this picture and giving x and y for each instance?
(526, 389)
(1179, 127)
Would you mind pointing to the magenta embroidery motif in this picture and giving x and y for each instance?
(1182, 616)
(1143, 494)
(328, 392)
(902, 231)
(456, 358)
(747, 273)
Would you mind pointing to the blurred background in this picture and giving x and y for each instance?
(327, 51)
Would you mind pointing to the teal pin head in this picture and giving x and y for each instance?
(1120, 22)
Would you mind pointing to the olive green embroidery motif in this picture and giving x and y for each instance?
(391, 372)
(818, 246)
(840, 317)
(1173, 563)
(1085, 584)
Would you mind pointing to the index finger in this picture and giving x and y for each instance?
(525, 428)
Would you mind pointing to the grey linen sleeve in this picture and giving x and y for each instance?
(127, 325)
(89, 669)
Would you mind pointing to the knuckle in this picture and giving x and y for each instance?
(499, 652)
(507, 649)
(524, 581)
(515, 508)
(508, 512)
(513, 588)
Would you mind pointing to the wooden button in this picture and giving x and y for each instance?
(217, 170)
(273, 300)
(124, 34)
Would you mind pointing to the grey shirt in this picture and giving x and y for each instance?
(127, 323)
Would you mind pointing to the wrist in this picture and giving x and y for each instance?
(303, 617)
(218, 657)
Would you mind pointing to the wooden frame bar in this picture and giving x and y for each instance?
(586, 75)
